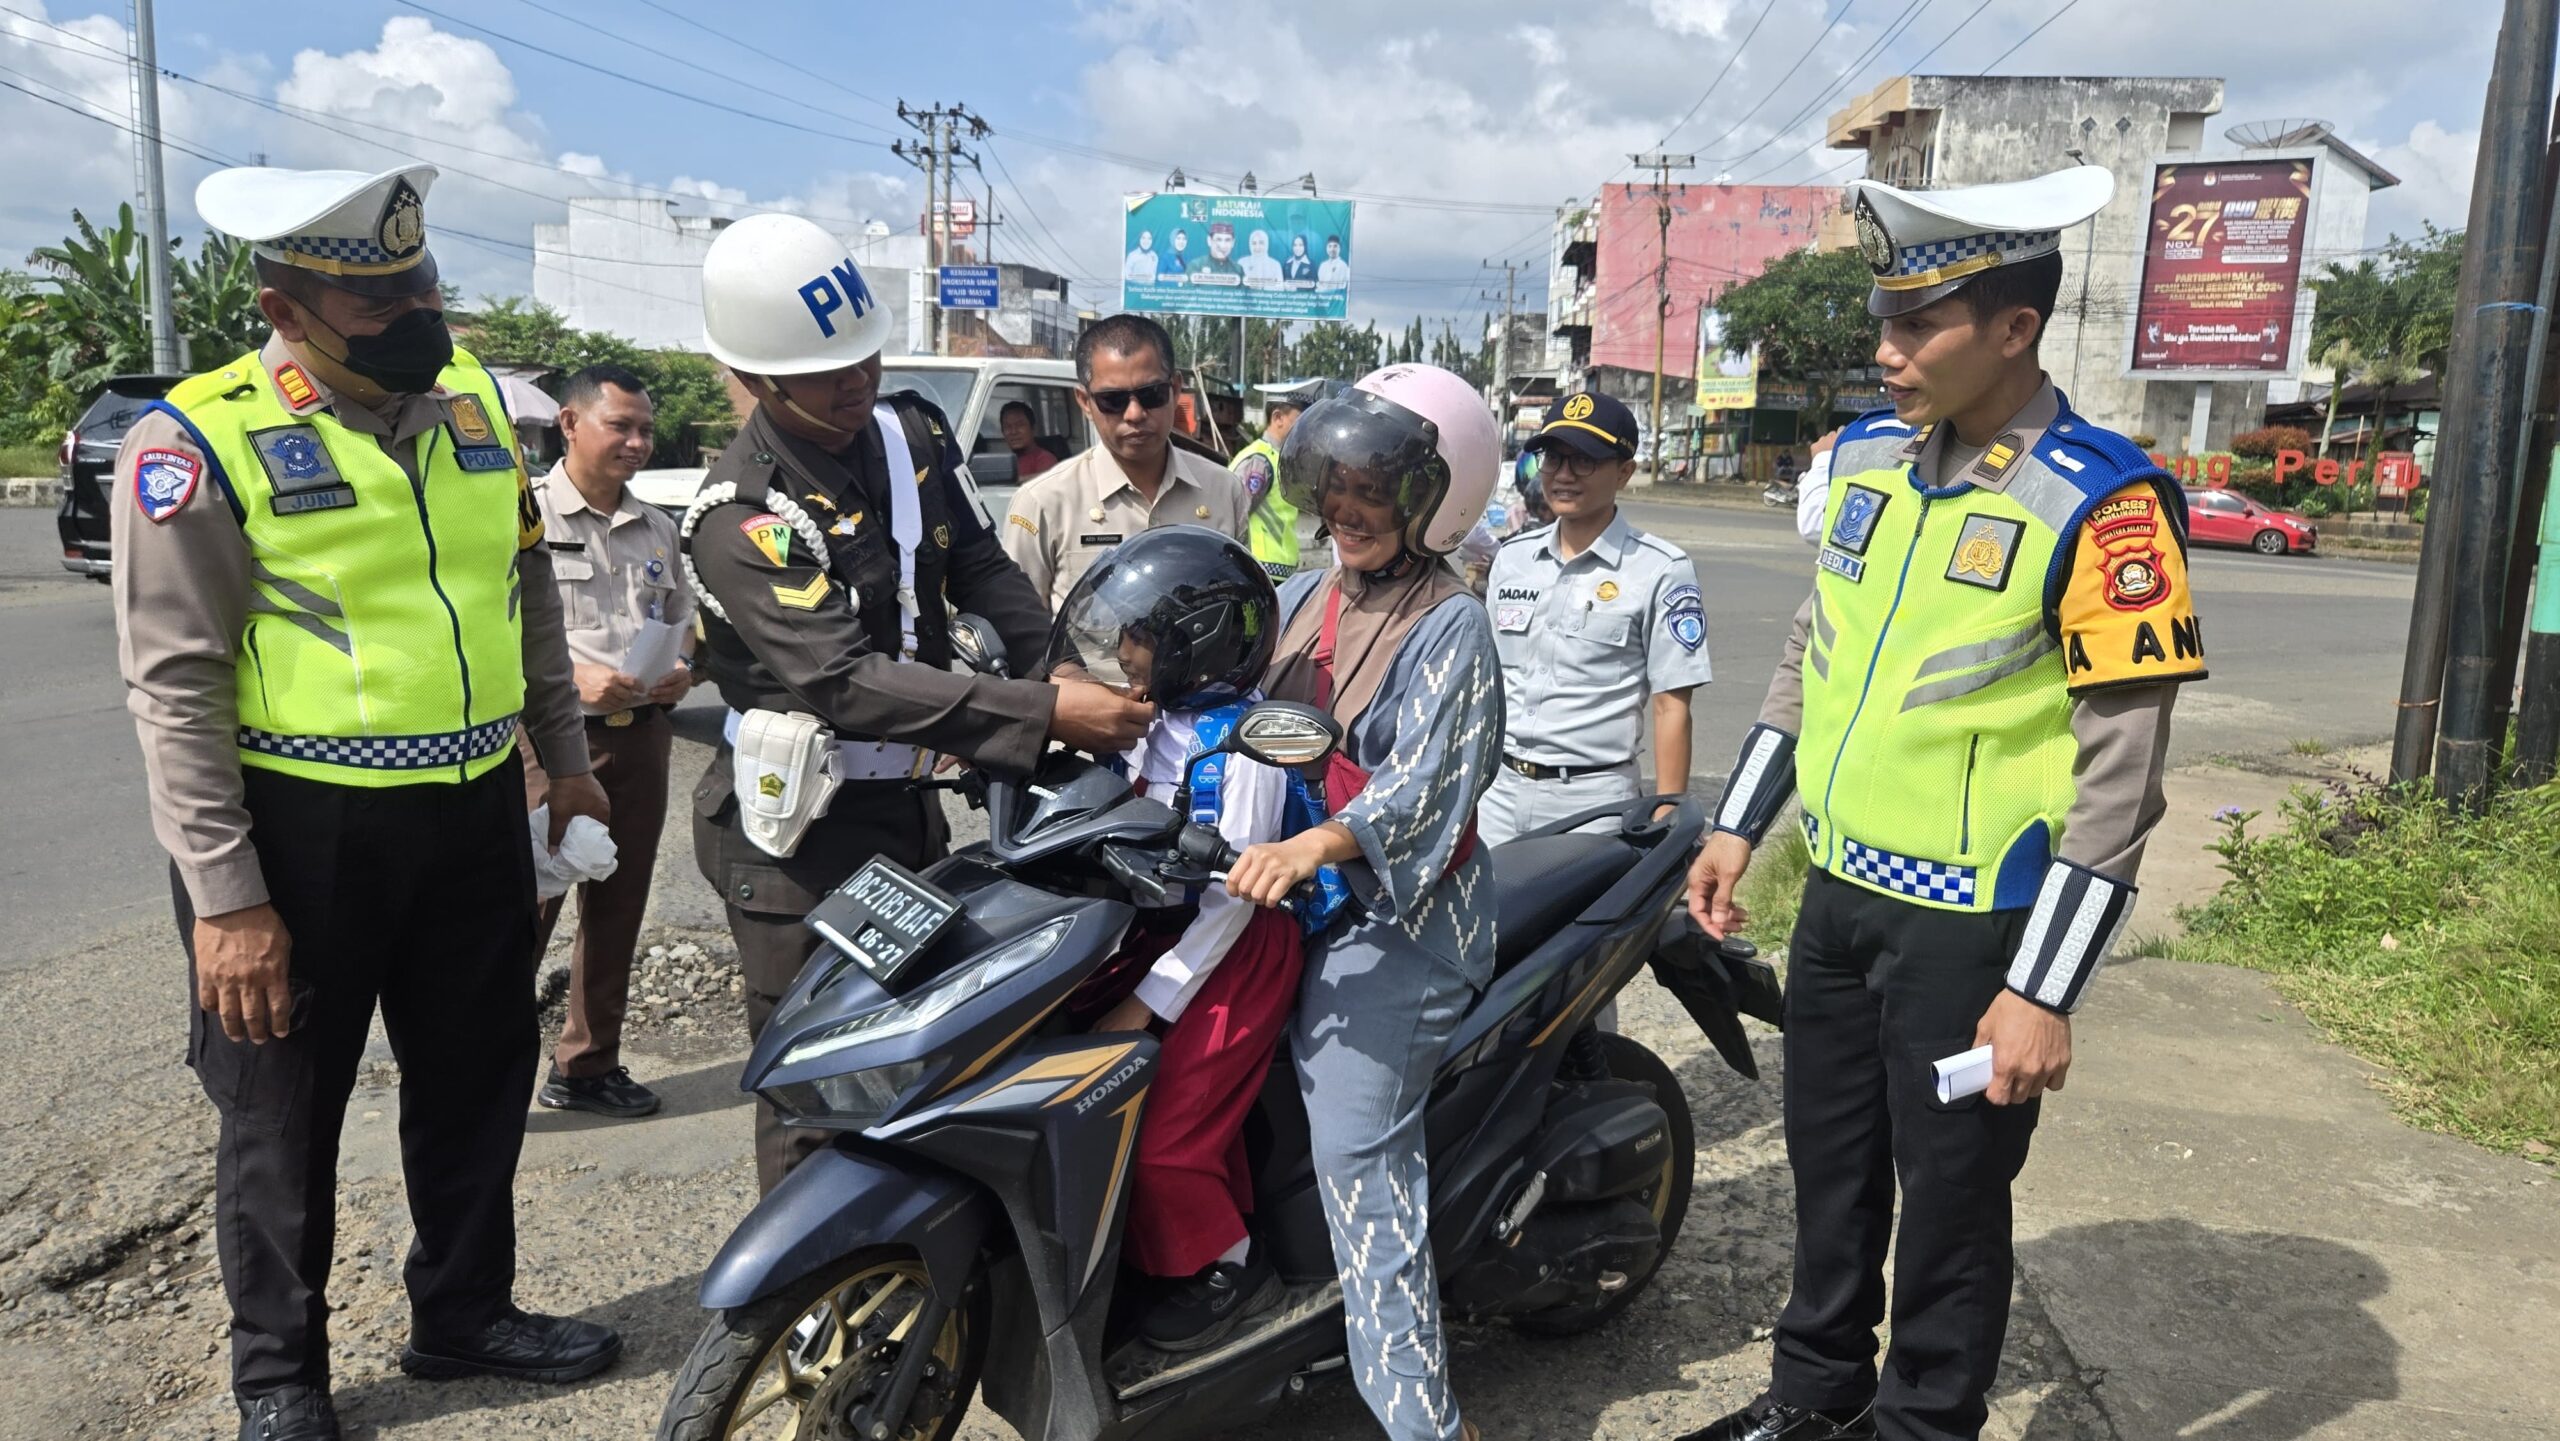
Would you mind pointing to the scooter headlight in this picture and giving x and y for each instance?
(856, 1100)
(921, 1008)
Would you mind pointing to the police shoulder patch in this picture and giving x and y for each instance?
(164, 481)
(1855, 525)
(771, 535)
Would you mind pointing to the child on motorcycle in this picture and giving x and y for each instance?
(1184, 617)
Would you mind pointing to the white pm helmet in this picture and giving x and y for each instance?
(780, 296)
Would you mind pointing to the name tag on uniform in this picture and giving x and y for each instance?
(1842, 564)
(1099, 539)
(300, 471)
(484, 457)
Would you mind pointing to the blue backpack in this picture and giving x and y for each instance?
(1300, 813)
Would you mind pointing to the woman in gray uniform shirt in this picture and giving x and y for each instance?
(1393, 645)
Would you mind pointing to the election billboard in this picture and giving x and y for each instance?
(1728, 379)
(2220, 289)
(1270, 256)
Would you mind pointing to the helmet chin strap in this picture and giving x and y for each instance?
(773, 391)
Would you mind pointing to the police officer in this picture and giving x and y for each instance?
(1274, 521)
(334, 608)
(830, 546)
(1597, 622)
(1973, 710)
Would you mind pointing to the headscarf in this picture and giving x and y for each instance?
(1379, 609)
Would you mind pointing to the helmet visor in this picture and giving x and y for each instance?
(1181, 616)
(1363, 452)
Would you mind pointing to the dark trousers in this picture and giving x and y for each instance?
(1877, 989)
(631, 764)
(768, 896)
(419, 897)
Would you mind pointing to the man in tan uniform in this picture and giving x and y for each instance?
(335, 610)
(1135, 480)
(615, 556)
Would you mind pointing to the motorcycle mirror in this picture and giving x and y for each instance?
(1287, 734)
(975, 638)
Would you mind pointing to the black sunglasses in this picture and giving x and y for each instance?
(1150, 397)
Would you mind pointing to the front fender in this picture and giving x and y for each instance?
(840, 1201)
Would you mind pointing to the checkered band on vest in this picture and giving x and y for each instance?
(1812, 832)
(346, 250)
(1938, 254)
(387, 753)
(1925, 880)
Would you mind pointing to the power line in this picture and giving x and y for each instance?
(691, 63)
(1911, 67)
(86, 114)
(1842, 14)
(2030, 35)
(1900, 25)
(1712, 85)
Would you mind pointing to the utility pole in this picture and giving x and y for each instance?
(2538, 570)
(1502, 348)
(1661, 164)
(147, 179)
(940, 125)
(2464, 562)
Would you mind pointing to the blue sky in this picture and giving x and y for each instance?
(1477, 117)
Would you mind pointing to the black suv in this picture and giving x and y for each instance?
(89, 466)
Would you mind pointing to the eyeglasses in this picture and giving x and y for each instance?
(1580, 467)
(1149, 397)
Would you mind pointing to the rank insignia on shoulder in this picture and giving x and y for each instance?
(802, 597)
(1842, 564)
(298, 391)
(1985, 547)
(1992, 471)
(164, 481)
(771, 535)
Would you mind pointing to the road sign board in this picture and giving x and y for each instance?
(967, 287)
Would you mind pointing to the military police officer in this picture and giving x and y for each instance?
(1973, 710)
(1597, 622)
(334, 607)
(830, 546)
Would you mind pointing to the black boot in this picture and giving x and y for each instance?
(520, 1346)
(1206, 1309)
(1769, 1419)
(291, 1413)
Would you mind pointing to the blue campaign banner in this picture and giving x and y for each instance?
(966, 287)
(1272, 256)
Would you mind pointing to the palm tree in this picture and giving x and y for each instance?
(2343, 360)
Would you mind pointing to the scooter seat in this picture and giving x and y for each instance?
(1542, 883)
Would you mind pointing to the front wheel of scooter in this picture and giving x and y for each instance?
(802, 1362)
(1667, 1196)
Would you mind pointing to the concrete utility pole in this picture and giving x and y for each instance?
(2454, 626)
(1661, 164)
(940, 125)
(155, 200)
(1502, 348)
(2537, 568)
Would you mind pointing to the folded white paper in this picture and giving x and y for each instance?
(586, 853)
(1959, 1076)
(654, 651)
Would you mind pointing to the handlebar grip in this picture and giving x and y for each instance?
(1201, 846)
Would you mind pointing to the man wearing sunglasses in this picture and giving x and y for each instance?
(1596, 622)
(1136, 479)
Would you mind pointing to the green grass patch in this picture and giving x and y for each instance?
(1773, 889)
(2423, 940)
(19, 461)
(2310, 746)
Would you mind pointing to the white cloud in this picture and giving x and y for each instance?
(1695, 17)
(2434, 166)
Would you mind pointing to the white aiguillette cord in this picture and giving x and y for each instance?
(906, 518)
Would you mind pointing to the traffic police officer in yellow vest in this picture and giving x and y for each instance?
(334, 608)
(830, 547)
(1274, 521)
(1973, 710)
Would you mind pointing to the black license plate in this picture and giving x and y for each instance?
(884, 918)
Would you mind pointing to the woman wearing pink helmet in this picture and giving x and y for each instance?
(1394, 646)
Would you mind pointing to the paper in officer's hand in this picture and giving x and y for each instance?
(586, 853)
(655, 649)
(1962, 1075)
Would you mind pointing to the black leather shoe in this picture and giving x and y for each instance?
(293, 1413)
(518, 1345)
(1772, 1420)
(612, 1094)
(1206, 1309)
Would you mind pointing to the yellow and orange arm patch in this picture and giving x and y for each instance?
(2128, 616)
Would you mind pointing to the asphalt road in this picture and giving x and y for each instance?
(105, 1157)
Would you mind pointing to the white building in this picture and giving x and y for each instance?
(633, 268)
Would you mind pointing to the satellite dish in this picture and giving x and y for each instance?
(2278, 134)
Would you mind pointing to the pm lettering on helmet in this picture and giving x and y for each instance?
(832, 292)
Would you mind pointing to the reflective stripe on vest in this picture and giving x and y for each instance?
(383, 644)
(1937, 755)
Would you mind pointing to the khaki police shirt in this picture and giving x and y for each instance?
(1064, 518)
(2123, 733)
(1584, 642)
(182, 598)
(614, 571)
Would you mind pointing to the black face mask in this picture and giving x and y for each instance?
(405, 357)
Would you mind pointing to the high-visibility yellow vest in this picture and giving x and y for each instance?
(1936, 758)
(1274, 522)
(384, 644)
